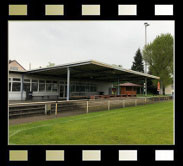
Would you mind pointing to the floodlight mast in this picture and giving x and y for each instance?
(145, 65)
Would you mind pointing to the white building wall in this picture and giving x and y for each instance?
(17, 75)
(104, 87)
(101, 87)
(169, 89)
(16, 96)
(37, 95)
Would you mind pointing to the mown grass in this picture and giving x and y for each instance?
(145, 124)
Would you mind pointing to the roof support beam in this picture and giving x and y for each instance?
(93, 70)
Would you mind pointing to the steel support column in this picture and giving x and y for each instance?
(68, 83)
(146, 86)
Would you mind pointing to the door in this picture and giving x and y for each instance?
(123, 90)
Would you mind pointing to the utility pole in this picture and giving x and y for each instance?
(145, 66)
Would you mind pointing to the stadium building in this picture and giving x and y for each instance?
(68, 81)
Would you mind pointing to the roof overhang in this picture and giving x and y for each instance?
(17, 71)
(92, 70)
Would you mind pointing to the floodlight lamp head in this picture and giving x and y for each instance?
(146, 24)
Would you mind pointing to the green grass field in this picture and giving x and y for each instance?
(145, 124)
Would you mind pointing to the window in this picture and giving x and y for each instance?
(82, 88)
(10, 83)
(78, 88)
(27, 85)
(41, 85)
(73, 89)
(128, 88)
(61, 82)
(16, 84)
(13, 68)
(48, 86)
(87, 88)
(34, 85)
(55, 86)
(93, 88)
(16, 79)
(9, 86)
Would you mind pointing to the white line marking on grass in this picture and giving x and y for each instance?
(90, 117)
(18, 131)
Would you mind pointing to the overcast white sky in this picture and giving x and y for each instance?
(59, 42)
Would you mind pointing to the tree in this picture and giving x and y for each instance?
(50, 64)
(159, 57)
(138, 62)
(151, 87)
(138, 66)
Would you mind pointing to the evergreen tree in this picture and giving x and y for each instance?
(138, 66)
(138, 62)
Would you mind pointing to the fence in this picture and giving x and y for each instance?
(64, 108)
